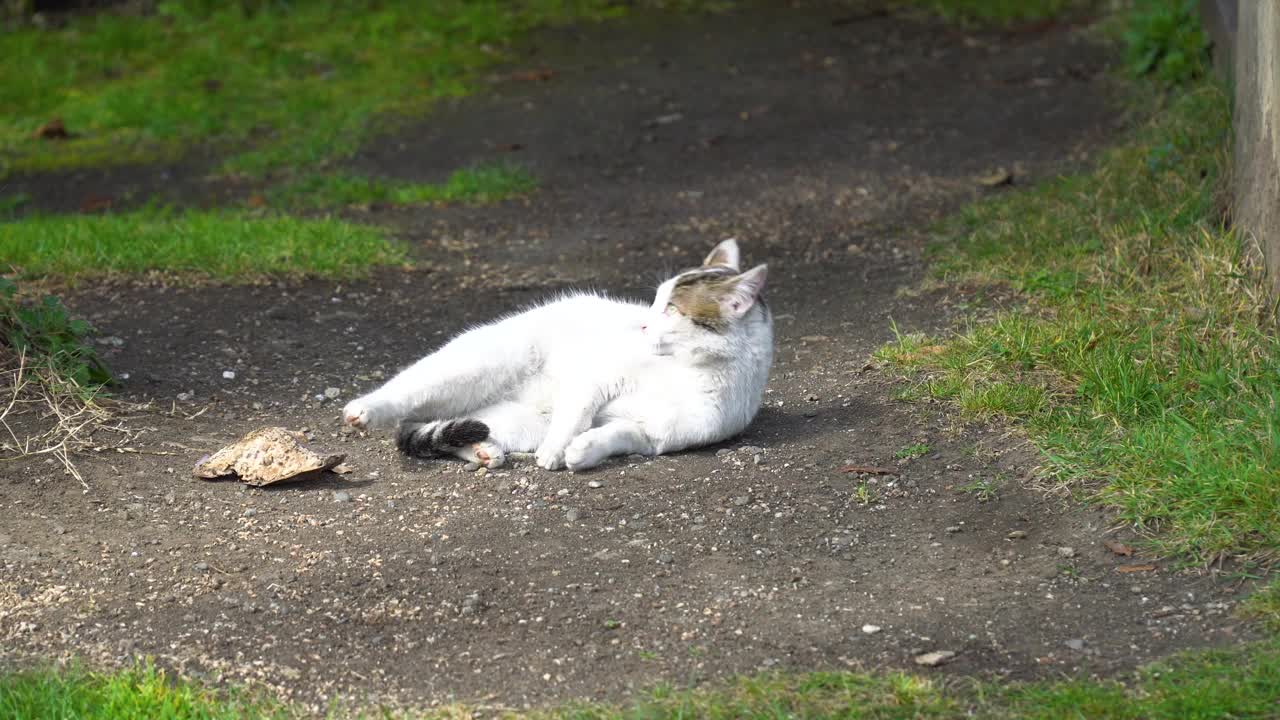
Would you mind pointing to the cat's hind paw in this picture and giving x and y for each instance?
(487, 454)
(581, 454)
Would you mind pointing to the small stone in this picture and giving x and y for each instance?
(471, 466)
(1066, 551)
(59, 530)
(332, 393)
(757, 459)
(572, 514)
(250, 512)
(666, 558)
(1076, 644)
(201, 566)
(1017, 535)
(341, 496)
(723, 452)
(482, 471)
(871, 629)
(228, 374)
(1050, 572)
(595, 484)
(741, 500)
(935, 658)
(954, 529)
(810, 413)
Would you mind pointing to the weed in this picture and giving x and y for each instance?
(866, 494)
(1164, 39)
(45, 332)
(911, 452)
(983, 489)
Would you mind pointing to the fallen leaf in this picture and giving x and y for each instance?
(1118, 548)
(256, 201)
(997, 178)
(869, 469)
(55, 129)
(342, 469)
(536, 75)
(265, 456)
(1135, 568)
(94, 203)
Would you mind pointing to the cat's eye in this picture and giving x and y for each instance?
(672, 309)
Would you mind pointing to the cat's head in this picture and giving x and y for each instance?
(708, 308)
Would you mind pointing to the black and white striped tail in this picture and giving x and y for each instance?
(438, 437)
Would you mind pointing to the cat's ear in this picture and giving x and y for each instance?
(726, 253)
(746, 291)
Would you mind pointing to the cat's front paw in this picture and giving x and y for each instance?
(550, 458)
(359, 414)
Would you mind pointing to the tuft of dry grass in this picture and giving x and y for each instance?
(46, 414)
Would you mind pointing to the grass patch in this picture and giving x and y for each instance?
(1000, 12)
(1242, 682)
(291, 84)
(481, 184)
(10, 204)
(1264, 605)
(141, 693)
(221, 245)
(1144, 359)
(911, 452)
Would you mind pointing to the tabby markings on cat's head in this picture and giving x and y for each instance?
(709, 298)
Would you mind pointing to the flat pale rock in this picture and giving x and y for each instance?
(935, 658)
(266, 456)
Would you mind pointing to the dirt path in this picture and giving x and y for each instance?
(826, 142)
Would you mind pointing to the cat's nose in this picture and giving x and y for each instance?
(644, 328)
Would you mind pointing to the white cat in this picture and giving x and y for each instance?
(585, 377)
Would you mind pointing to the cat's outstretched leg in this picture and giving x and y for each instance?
(616, 437)
(465, 375)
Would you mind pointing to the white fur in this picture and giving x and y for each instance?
(585, 377)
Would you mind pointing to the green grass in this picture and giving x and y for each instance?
(286, 84)
(480, 184)
(138, 694)
(1242, 682)
(219, 245)
(913, 451)
(1000, 12)
(1141, 357)
(1264, 605)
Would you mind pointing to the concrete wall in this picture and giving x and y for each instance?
(1246, 36)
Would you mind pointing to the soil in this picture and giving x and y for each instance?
(827, 142)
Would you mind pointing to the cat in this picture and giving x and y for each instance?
(585, 377)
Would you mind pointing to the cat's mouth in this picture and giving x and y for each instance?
(662, 348)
